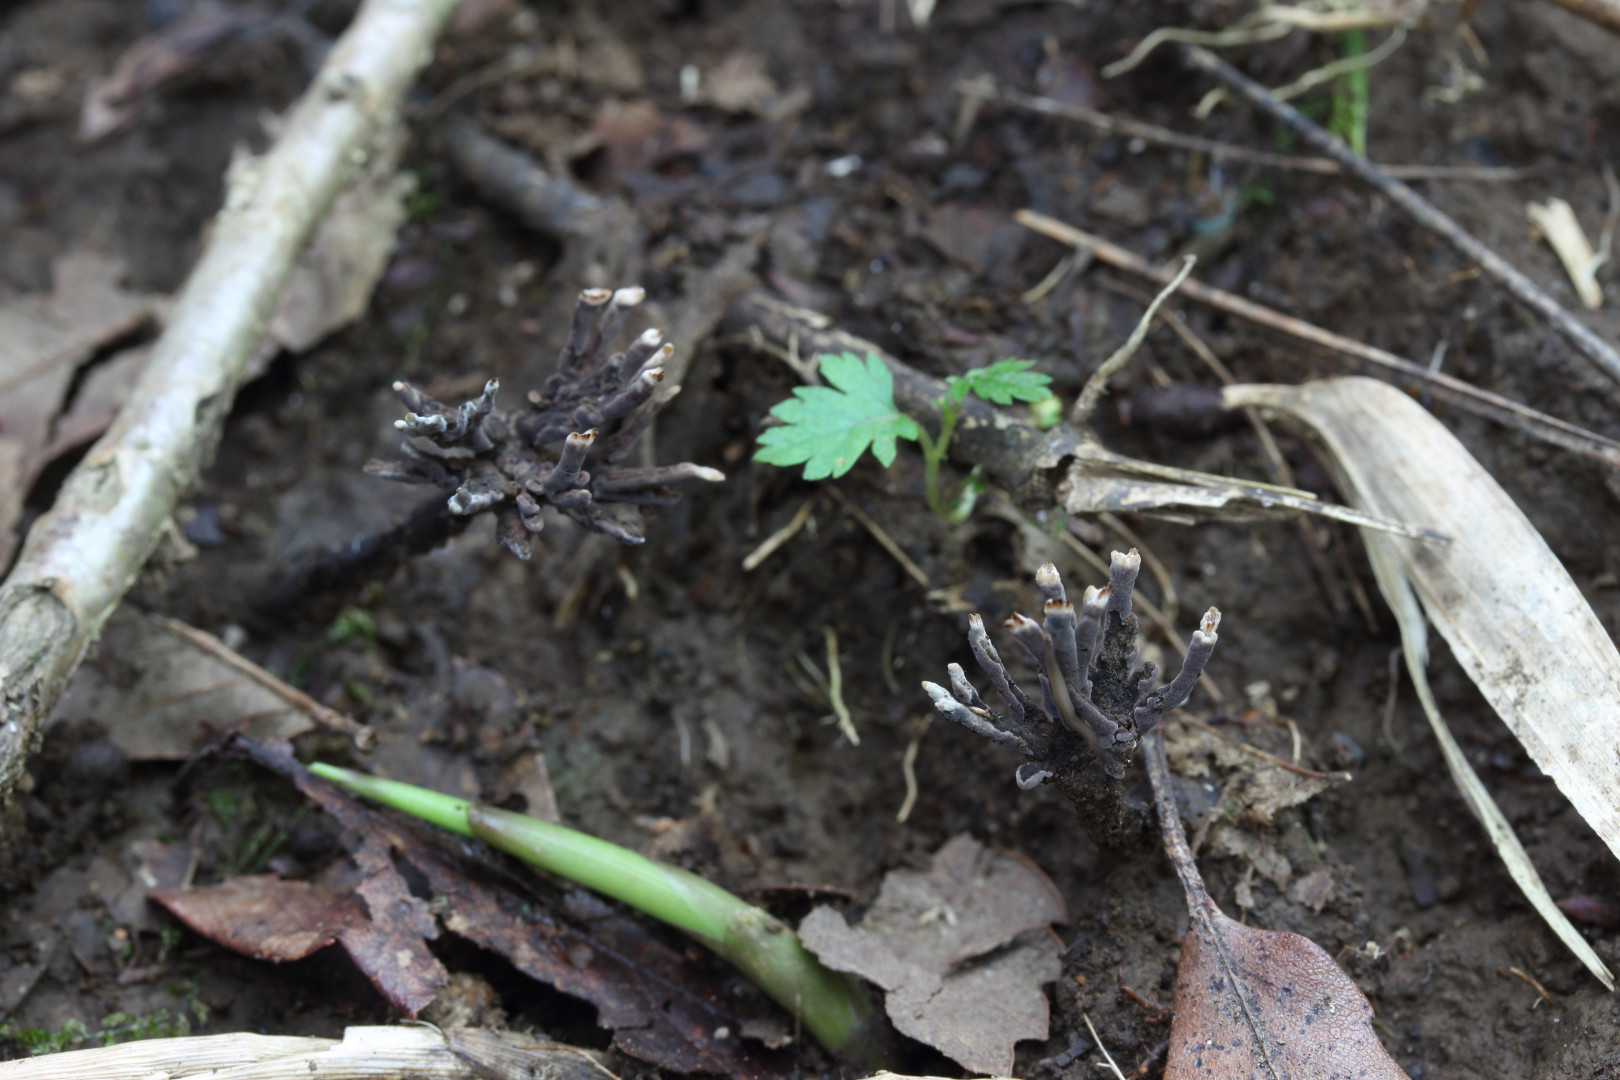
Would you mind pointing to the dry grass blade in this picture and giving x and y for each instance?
(1504, 603)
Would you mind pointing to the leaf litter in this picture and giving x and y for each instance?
(661, 1007)
(1514, 618)
(961, 951)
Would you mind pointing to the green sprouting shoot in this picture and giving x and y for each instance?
(827, 428)
(833, 1007)
(1002, 383)
(1350, 96)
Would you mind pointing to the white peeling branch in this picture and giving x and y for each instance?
(81, 557)
(364, 1053)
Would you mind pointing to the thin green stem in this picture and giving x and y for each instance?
(833, 1007)
(1351, 96)
(935, 451)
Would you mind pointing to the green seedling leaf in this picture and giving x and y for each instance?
(1003, 382)
(828, 428)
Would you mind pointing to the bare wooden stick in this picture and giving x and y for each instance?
(1422, 210)
(1448, 388)
(82, 555)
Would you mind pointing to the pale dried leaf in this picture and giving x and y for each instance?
(160, 697)
(1515, 620)
(738, 84)
(1556, 220)
(332, 282)
(962, 951)
(43, 340)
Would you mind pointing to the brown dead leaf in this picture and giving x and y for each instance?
(962, 951)
(160, 697)
(1251, 1002)
(43, 340)
(270, 919)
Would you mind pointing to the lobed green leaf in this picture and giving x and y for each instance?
(1004, 382)
(827, 428)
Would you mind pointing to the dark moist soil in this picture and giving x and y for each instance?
(664, 684)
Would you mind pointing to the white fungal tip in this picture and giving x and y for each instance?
(630, 297)
(714, 476)
(595, 297)
(651, 337)
(1211, 621)
(398, 386)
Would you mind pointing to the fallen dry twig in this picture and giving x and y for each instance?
(83, 554)
(1097, 384)
(1463, 395)
(1424, 212)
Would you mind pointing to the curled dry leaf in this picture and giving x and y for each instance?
(1512, 615)
(1256, 1003)
(1557, 222)
(961, 951)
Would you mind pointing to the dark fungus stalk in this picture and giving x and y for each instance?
(597, 405)
(1095, 704)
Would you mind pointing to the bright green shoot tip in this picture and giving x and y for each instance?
(834, 1008)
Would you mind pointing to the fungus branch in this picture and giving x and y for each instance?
(1096, 702)
(597, 405)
